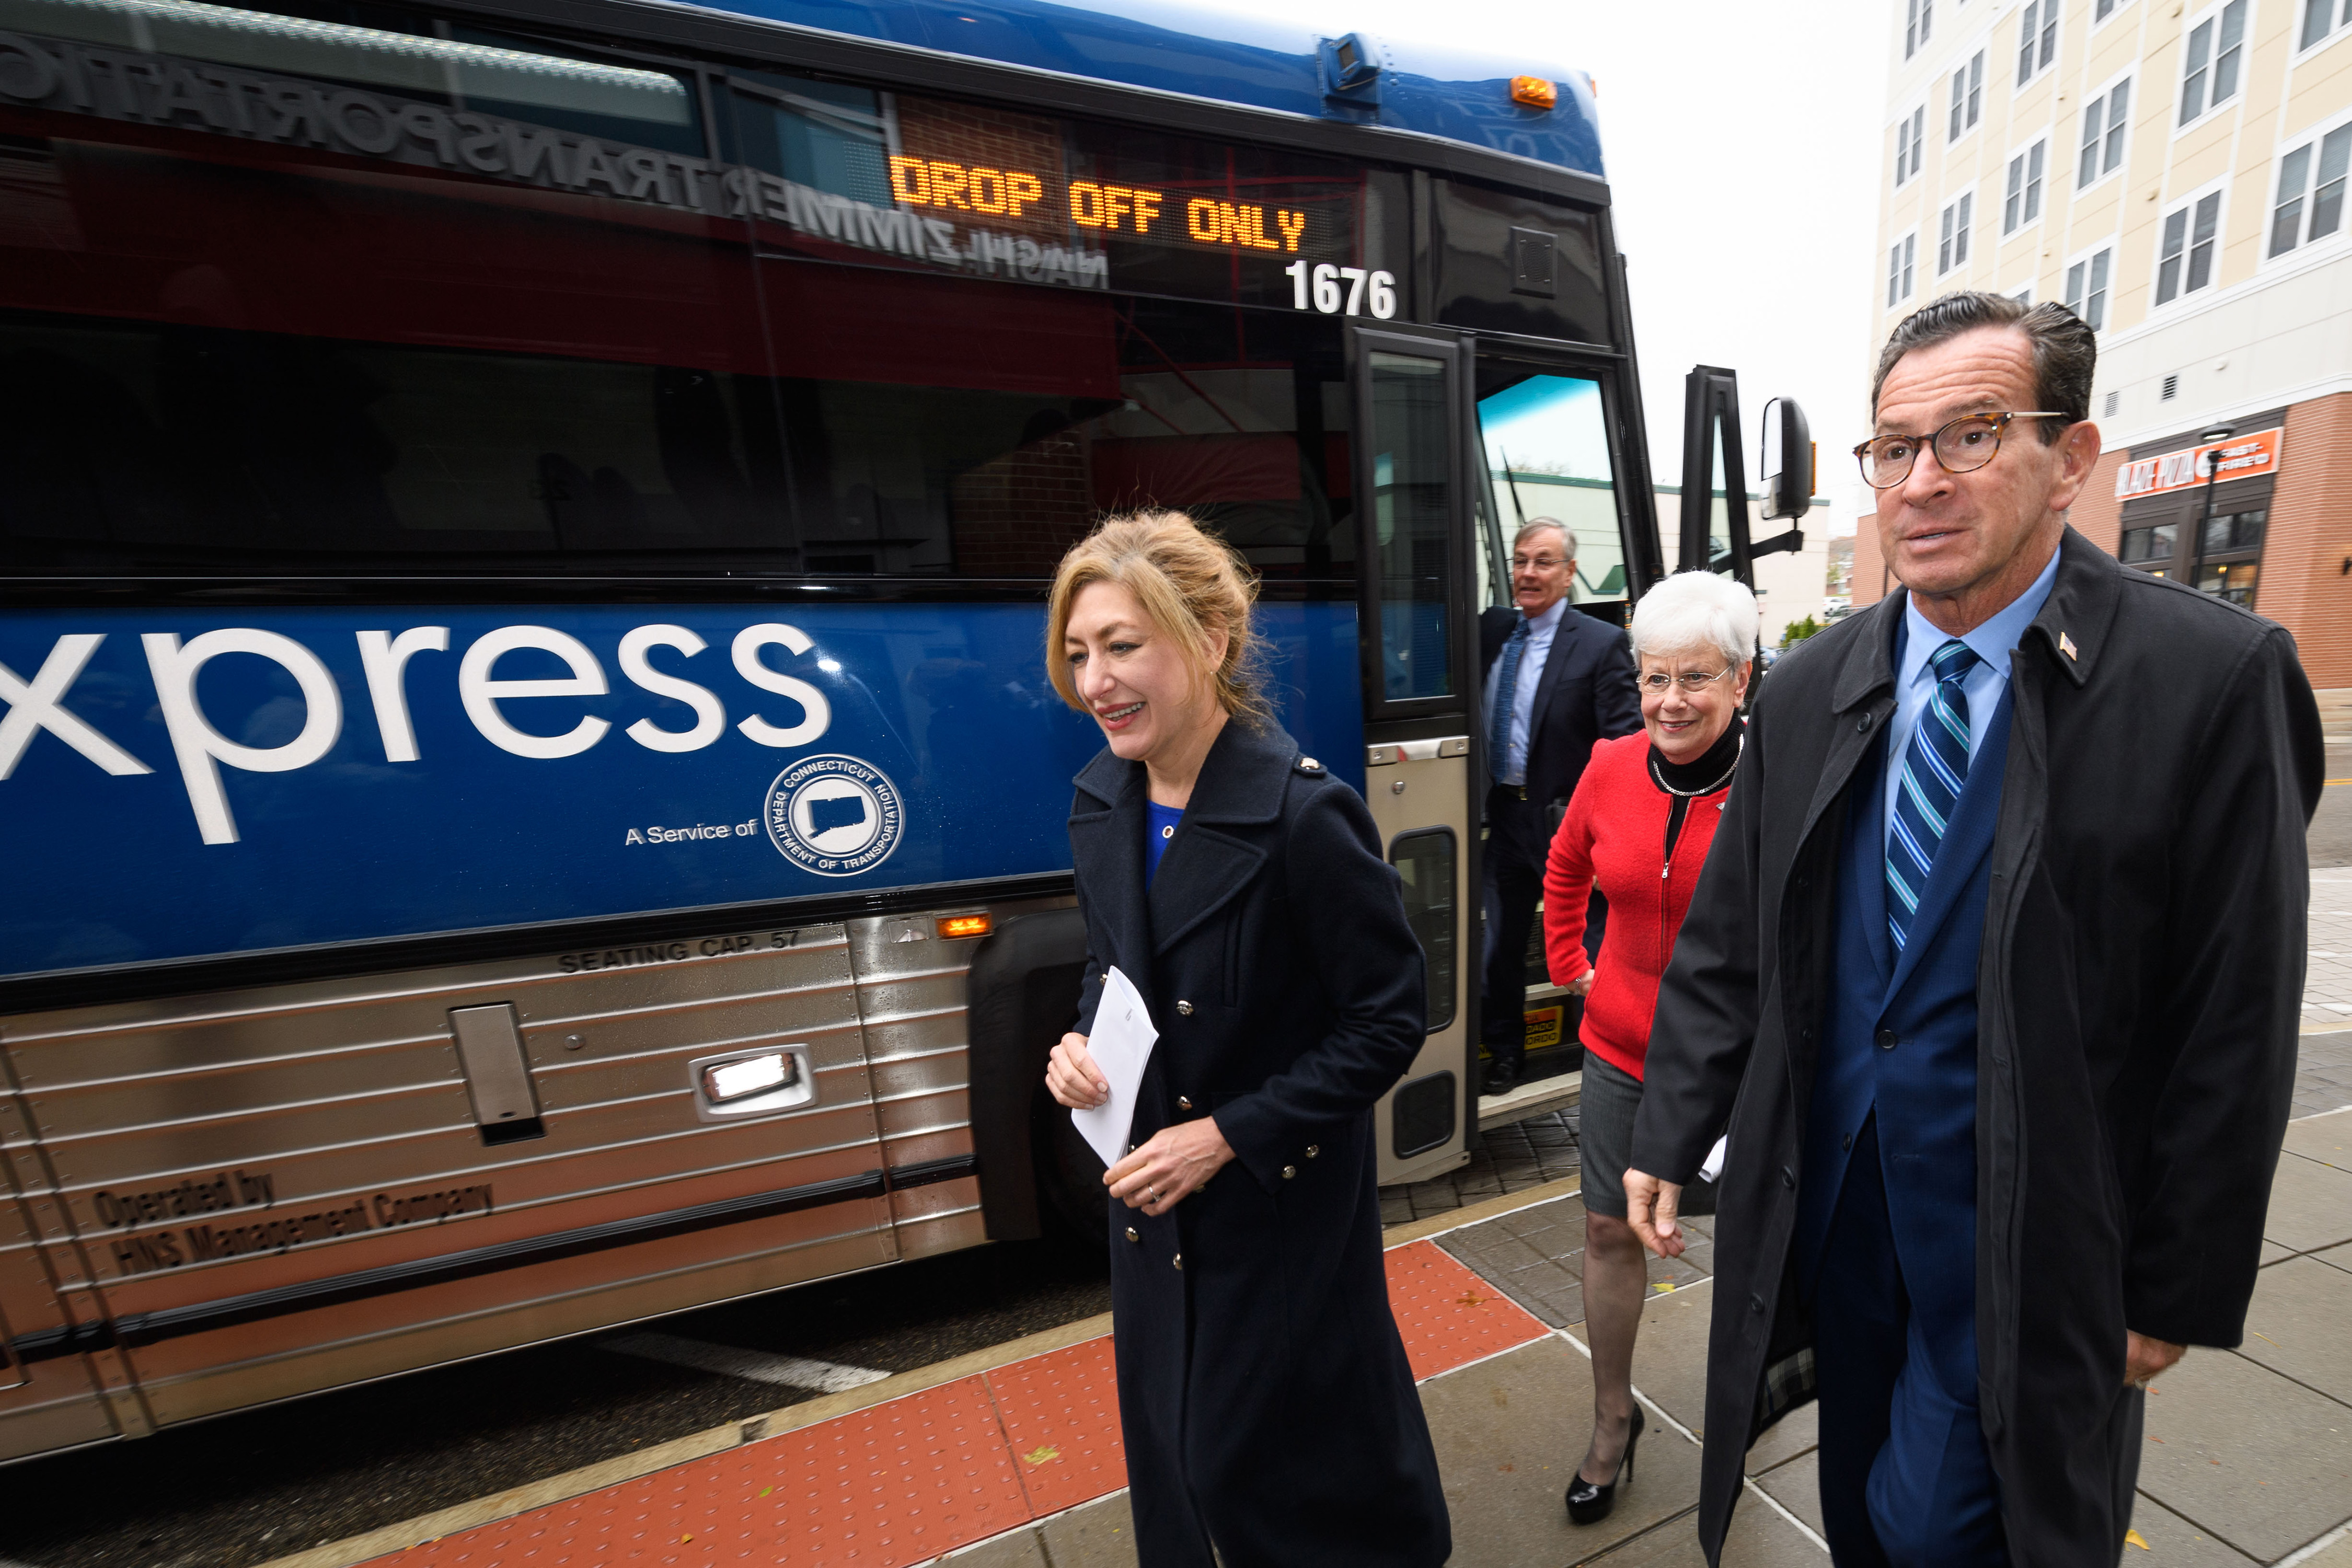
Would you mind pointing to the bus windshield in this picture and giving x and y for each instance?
(1547, 444)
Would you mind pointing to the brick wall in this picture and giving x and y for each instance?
(2097, 515)
(1870, 580)
(2304, 585)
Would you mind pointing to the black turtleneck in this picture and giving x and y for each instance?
(1710, 767)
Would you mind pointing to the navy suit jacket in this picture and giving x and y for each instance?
(1587, 694)
(1901, 1039)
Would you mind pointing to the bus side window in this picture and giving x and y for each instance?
(445, 332)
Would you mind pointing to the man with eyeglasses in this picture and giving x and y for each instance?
(1994, 975)
(1556, 681)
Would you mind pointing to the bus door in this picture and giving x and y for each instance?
(1549, 434)
(1420, 648)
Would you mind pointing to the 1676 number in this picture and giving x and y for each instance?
(1336, 290)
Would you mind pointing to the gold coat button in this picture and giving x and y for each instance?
(1179, 1260)
(1288, 1171)
(1312, 1150)
(1183, 1104)
(1185, 1008)
(1133, 1234)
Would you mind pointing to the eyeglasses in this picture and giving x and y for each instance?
(1969, 442)
(1691, 682)
(1537, 563)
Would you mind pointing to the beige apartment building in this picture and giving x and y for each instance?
(2176, 171)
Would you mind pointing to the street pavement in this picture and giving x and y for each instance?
(2248, 1460)
(2331, 828)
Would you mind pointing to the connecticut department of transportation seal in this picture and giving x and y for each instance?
(834, 816)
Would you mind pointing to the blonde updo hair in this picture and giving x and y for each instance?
(1190, 584)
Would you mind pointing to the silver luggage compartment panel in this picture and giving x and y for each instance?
(288, 1188)
(911, 1003)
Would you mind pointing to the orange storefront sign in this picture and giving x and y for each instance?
(2241, 457)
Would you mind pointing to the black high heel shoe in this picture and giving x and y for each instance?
(1588, 1502)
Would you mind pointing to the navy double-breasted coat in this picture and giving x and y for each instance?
(1263, 1392)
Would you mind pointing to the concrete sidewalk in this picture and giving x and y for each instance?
(1011, 1458)
(2249, 1457)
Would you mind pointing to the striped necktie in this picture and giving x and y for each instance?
(1935, 767)
(1507, 693)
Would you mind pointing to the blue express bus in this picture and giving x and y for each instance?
(534, 800)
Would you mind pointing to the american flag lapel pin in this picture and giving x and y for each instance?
(2066, 646)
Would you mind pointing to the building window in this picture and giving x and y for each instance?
(2209, 77)
(2086, 289)
(2292, 221)
(2155, 543)
(2104, 118)
(1910, 145)
(2021, 203)
(1918, 17)
(2238, 530)
(2037, 38)
(1968, 96)
(1952, 235)
(2104, 9)
(1899, 259)
(2321, 17)
(2184, 264)
(2234, 581)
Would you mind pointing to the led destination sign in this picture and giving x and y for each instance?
(1002, 194)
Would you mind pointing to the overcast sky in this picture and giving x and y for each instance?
(1743, 151)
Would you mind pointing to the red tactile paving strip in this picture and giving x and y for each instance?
(900, 1483)
(905, 1481)
(1448, 1315)
(1060, 1414)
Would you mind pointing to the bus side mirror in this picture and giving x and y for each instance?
(1789, 459)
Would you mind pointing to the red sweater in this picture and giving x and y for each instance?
(1615, 832)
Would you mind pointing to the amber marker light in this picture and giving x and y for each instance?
(1534, 91)
(965, 925)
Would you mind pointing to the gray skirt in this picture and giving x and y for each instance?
(1604, 1140)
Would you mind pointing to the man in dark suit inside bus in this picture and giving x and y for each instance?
(1556, 681)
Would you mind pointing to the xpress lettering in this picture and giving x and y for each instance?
(260, 779)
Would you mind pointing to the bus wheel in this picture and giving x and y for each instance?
(1069, 1172)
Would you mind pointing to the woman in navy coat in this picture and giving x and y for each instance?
(1266, 1403)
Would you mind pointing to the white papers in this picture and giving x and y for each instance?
(1712, 1167)
(1121, 1045)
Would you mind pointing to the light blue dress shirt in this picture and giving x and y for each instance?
(1540, 631)
(1915, 683)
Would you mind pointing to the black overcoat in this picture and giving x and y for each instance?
(2139, 990)
(1264, 1396)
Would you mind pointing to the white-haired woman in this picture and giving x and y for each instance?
(1638, 828)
